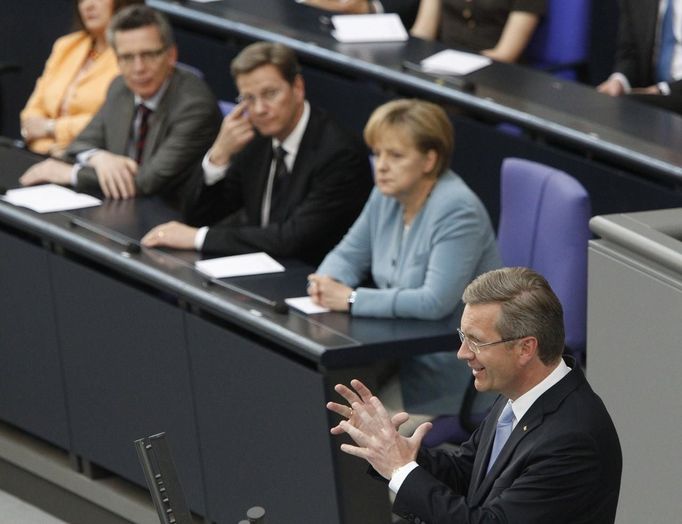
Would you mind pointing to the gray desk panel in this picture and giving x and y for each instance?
(31, 386)
(264, 432)
(126, 373)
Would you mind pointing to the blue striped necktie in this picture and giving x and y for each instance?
(504, 429)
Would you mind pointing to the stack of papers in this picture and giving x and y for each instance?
(451, 62)
(369, 28)
(306, 305)
(49, 198)
(239, 265)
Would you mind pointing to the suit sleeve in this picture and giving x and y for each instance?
(336, 192)
(562, 475)
(626, 49)
(406, 9)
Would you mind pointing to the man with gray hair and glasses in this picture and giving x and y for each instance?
(157, 120)
(548, 450)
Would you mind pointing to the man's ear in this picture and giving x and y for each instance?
(528, 349)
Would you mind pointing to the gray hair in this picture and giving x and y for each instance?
(529, 307)
(137, 16)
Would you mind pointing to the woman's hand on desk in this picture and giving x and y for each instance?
(171, 234)
(327, 292)
(47, 171)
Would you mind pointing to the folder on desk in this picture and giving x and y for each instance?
(369, 28)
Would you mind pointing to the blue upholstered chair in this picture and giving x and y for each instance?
(561, 42)
(225, 107)
(544, 218)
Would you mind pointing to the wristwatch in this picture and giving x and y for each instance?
(351, 300)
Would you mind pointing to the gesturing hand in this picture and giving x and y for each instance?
(374, 431)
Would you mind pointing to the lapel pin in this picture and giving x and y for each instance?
(525, 428)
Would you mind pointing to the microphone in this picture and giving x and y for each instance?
(129, 246)
(277, 306)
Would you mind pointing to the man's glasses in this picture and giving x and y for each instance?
(146, 57)
(267, 96)
(476, 346)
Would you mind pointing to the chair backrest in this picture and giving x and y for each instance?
(190, 69)
(544, 219)
(562, 40)
(226, 107)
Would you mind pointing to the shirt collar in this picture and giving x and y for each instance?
(522, 404)
(292, 142)
(153, 101)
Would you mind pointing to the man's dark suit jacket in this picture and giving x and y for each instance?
(634, 56)
(329, 184)
(407, 9)
(561, 464)
(182, 128)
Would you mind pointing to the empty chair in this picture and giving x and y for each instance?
(544, 219)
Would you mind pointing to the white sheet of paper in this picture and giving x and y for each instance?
(451, 62)
(239, 265)
(306, 305)
(49, 198)
(369, 28)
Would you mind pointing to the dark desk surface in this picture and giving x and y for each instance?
(640, 138)
(102, 233)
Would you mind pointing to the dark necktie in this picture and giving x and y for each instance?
(667, 44)
(142, 129)
(504, 429)
(279, 182)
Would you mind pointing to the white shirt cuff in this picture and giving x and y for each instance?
(200, 237)
(623, 81)
(84, 156)
(664, 88)
(378, 8)
(213, 173)
(74, 174)
(399, 476)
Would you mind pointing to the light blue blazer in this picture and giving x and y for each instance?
(419, 272)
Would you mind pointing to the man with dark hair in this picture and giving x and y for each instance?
(281, 176)
(155, 123)
(406, 9)
(547, 452)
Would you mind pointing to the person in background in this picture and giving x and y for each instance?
(75, 80)
(281, 176)
(406, 9)
(499, 29)
(422, 237)
(547, 453)
(156, 122)
(649, 53)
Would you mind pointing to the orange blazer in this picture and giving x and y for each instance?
(68, 55)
